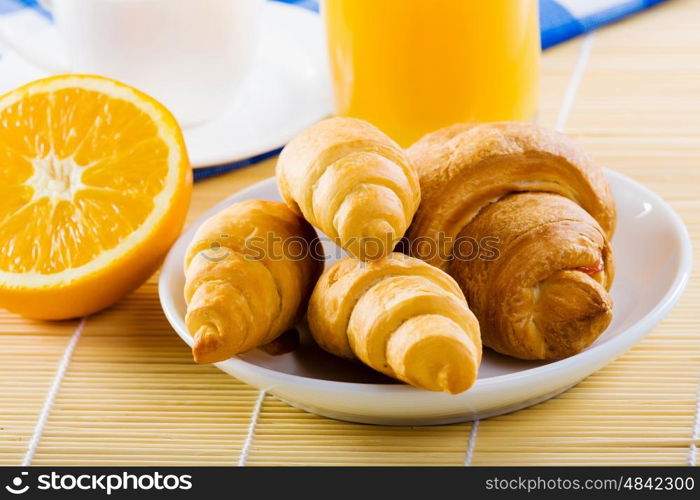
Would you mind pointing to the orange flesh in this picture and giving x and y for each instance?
(74, 185)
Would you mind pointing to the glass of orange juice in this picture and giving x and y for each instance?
(413, 66)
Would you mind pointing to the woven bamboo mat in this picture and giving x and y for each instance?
(131, 395)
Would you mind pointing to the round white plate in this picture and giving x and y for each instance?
(286, 91)
(653, 262)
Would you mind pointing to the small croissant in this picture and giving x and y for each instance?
(249, 272)
(400, 316)
(352, 182)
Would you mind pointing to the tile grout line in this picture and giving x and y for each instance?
(472, 444)
(53, 392)
(566, 105)
(572, 88)
(254, 417)
(695, 436)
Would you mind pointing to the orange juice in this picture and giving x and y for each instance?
(413, 66)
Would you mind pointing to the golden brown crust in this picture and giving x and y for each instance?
(400, 316)
(351, 181)
(249, 271)
(550, 210)
(465, 167)
(544, 295)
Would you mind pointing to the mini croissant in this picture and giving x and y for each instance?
(249, 272)
(400, 316)
(351, 181)
(536, 197)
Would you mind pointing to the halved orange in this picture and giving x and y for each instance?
(95, 186)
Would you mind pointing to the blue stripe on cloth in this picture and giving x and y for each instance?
(206, 172)
(557, 25)
(615, 13)
(307, 4)
(7, 6)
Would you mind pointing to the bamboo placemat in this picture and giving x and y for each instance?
(130, 393)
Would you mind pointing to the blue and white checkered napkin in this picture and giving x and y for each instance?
(9, 6)
(560, 20)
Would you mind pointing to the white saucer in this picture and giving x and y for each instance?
(653, 262)
(286, 91)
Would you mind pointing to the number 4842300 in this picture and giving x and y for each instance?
(659, 483)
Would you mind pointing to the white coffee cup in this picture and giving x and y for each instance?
(189, 54)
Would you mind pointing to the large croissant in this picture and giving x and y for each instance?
(249, 271)
(400, 316)
(351, 181)
(538, 199)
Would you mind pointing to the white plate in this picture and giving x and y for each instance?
(287, 90)
(653, 261)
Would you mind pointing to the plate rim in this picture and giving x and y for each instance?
(266, 146)
(621, 342)
(297, 15)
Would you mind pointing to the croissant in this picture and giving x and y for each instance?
(400, 316)
(351, 181)
(541, 215)
(249, 272)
